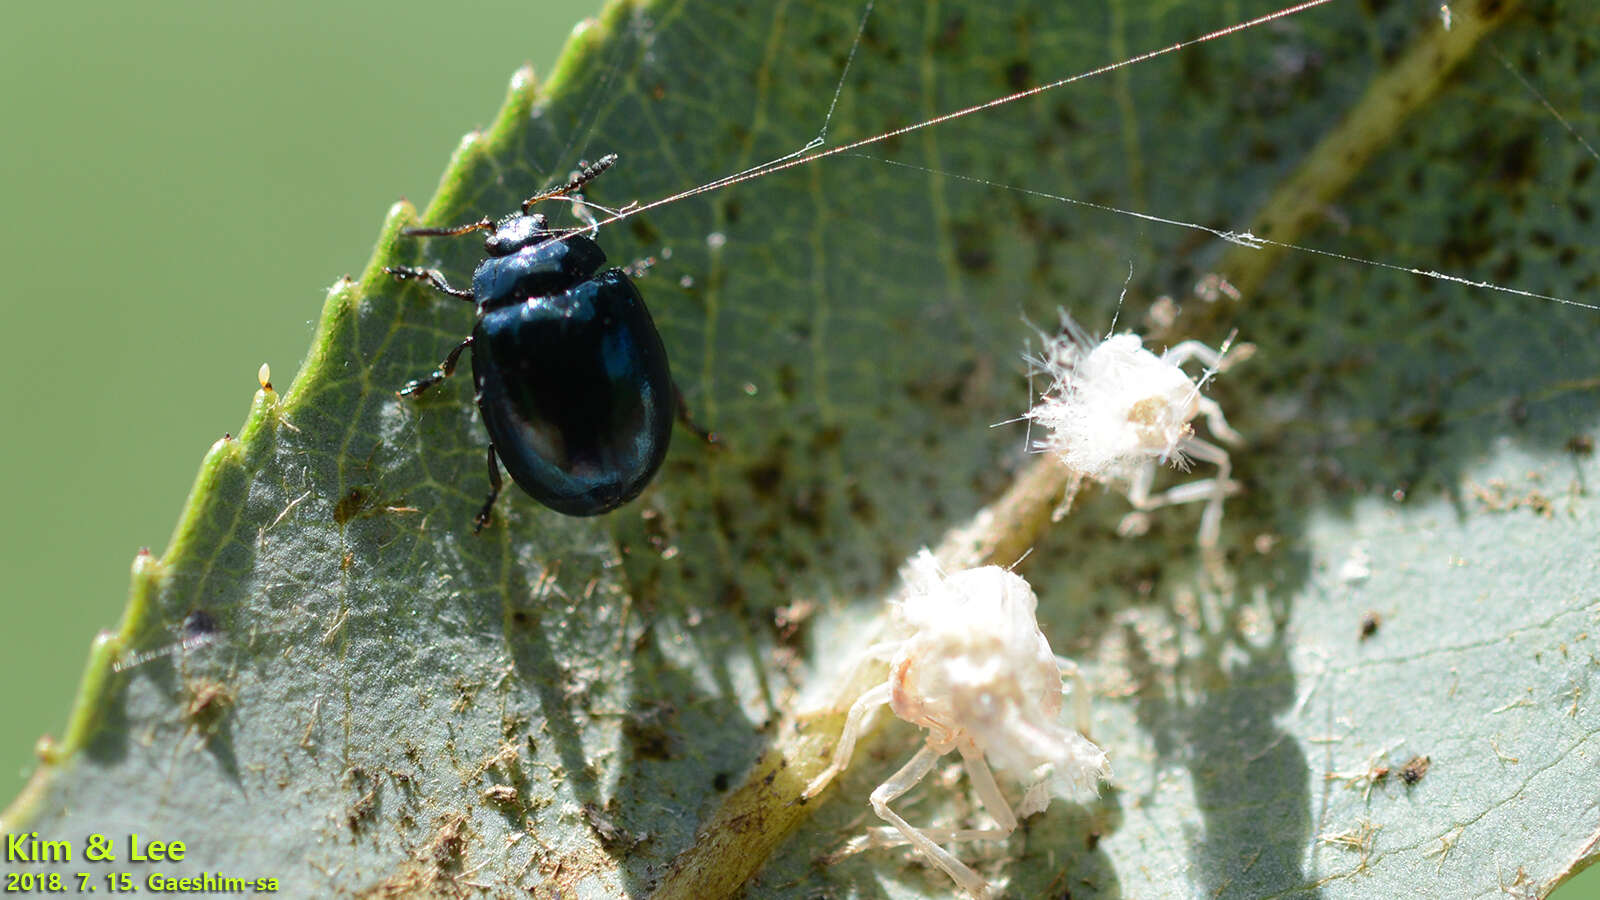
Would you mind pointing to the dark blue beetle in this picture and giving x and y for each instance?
(571, 376)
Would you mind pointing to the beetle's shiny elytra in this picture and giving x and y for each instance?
(571, 375)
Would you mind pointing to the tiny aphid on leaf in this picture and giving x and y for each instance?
(571, 375)
(1415, 768)
(1371, 621)
(971, 667)
(1114, 411)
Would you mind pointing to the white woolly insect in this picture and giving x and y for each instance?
(1114, 410)
(974, 670)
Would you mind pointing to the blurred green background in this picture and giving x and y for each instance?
(184, 180)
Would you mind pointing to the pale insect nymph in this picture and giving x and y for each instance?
(971, 667)
(1114, 411)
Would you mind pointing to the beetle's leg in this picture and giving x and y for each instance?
(433, 277)
(445, 370)
(482, 518)
(710, 437)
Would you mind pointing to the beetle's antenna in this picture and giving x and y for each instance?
(583, 176)
(483, 224)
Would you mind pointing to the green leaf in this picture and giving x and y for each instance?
(388, 704)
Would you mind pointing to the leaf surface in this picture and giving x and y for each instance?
(375, 700)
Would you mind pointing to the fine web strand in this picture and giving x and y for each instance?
(1242, 238)
(808, 153)
(814, 143)
(590, 113)
(838, 89)
(589, 117)
(1112, 328)
(802, 157)
(1549, 107)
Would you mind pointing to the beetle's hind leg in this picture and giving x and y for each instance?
(710, 437)
(433, 277)
(482, 518)
(445, 370)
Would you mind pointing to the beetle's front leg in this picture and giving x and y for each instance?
(433, 277)
(445, 370)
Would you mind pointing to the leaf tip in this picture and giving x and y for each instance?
(223, 451)
(266, 406)
(401, 213)
(584, 31)
(523, 86)
(399, 216)
(146, 567)
(47, 750)
(106, 648)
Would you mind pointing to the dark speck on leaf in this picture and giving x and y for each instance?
(349, 505)
(1369, 624)
(764, 478)
(1517, 160)
(1517, 411)
(949, 37)
(861, 505)
(1064, 117)
(788, 381)
(650, 731)
(730, 596)
(973, 248)
(199, 623)
(1430, 422)
(1414, 769)
(606, 829)
(1019, 75)
(644, 231)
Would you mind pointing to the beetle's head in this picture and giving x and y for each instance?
(515, 232)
